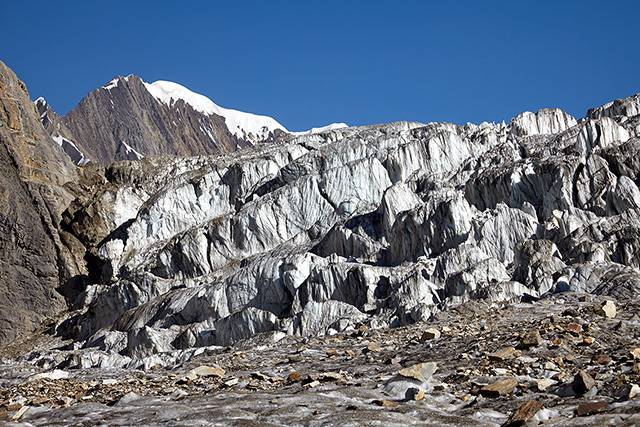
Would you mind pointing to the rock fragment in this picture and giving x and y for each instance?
(507, 353)
(634, 354)
(524, 413)
(420, 372)
(590, 408)
(373, 346)
(543, 384)
(583, 382)
(15, 417)
(574, 328)
(294, 377)
(330, 376)
(601, 359)
(260, 376)
(557, 342)
(628, 391)
(588, 340)
(531, 339)
(206, 371)
(635, 390)
(414, 393)
(231, 382)
(430, 334)
(499, 388)
(608, 310)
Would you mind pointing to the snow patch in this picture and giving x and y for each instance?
(132, 150)
(41, 102)
(58, 139)
(72, 150)
(332, 126)
(112, 84)
(607, 105)
(242, 125)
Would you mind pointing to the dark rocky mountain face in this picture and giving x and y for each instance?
(56, 128)
(34, 172)
(124, 121)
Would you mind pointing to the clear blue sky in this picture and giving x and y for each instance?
(310, 63)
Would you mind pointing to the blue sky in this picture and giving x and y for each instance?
(311, 63)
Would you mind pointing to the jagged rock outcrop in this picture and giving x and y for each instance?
(37, 182)
(128, 119)
(56, 129)
(383, 225)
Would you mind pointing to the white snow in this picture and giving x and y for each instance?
(243, 125)
(240, 124)
(132, 150)
(113, 83)
(60, 140)
(607, 105)
(327, 128)
(38, 102)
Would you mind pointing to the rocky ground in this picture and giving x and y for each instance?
(568, 359)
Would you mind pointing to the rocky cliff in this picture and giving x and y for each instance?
(382, 225)
(37, 182)
(128, 119)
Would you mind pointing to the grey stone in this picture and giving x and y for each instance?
(34, 253)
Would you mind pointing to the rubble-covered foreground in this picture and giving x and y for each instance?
(569, 359)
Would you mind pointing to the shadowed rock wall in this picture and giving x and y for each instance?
(33, 171)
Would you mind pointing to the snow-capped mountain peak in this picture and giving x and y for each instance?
(239, 123)
(156, 118)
